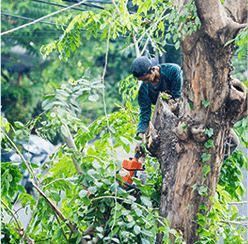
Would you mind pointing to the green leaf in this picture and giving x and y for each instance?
(230, 41)
(188, 206)
(83, 193)
(136, 229)
(59, 233)
(55, 196)
(177, 45)
(92, 189)
(144, 241)
(4, 122)
(205, 157)
(93, 98)
(146, 201)
(21, 189)
(194, 186)
(147, 232)
(209, 132)
(19, 124)
(164, 97)
(203, 190)
(203, 232)
(205, 103)
(203, 207)
(234, 216)
(206, 169)
(64, 131)
(209, 143)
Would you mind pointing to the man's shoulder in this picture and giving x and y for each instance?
(169, 65)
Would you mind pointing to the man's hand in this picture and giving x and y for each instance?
(140, 150)
(142, 136)
(138, 147)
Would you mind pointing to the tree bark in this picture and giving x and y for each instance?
(177, 137)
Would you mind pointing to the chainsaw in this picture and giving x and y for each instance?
(132, 168)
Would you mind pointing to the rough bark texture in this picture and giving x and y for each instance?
(177, 137)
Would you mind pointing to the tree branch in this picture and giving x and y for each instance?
(68, 222)
(19, 231)
(234, 222)
(70, 144)
(6, 206)
(212, 15)
(30, 169)
(237, 202)
(26, 231)
(237, 10)
(136, 46)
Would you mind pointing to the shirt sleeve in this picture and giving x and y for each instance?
(145, 109)
(176, 80)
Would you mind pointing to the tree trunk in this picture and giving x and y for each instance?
(177, 136)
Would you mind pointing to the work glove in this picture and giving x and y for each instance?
(139, 149)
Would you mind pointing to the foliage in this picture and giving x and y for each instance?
(94, 197)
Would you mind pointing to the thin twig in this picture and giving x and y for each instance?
(57, 211)
(61, 228)
(19, 231)
(23, 159)
(16, 211)
(116, 7)
(50, 183)
(24, 235)
(6, 206)
(71, 144)
(237, 202)
(105, 107)
(44, 17)
(136, 46)
(151, 31)
(234, 222)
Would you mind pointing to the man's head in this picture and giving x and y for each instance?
(141, 67)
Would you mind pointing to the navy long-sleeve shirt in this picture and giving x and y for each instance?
(170, 82)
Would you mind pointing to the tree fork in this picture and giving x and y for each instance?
(177, 139)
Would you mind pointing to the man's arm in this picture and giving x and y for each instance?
(145, 110)
(174, 75)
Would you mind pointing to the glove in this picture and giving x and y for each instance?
(139, 149)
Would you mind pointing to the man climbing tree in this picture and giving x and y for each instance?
(164, 78)
(155, 78)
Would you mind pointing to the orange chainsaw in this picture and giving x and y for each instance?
(132, 168)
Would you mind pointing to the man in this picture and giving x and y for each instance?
(155, 78)
(161, 78)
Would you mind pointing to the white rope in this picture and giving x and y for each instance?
(44, 17)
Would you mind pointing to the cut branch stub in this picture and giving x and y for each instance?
(238, 91)
(198, 132)
(237, 105)
(182, 131)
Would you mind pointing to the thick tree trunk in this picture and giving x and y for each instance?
(177, 137)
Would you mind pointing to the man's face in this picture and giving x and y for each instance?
(148, 78)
